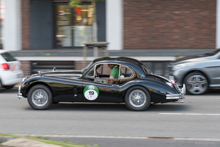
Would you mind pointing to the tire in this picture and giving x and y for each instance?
(9, 87)
(40, 97)
(196, 83)
(139, 103)
(0, 85)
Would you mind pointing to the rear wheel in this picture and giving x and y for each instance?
(137, 98)
(0, 85)
(196, 83)
(40, 97)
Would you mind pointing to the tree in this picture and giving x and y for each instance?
(74, 3)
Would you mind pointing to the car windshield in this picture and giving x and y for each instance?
(84, 69)
(8, 57)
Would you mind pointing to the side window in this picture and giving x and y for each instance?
(99, 69)
(90, 74)
(103, 74)
(103, 71)
(126, 72)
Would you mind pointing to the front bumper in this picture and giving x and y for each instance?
(179, 96)
(19, 95)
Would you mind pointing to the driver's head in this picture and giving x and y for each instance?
(110, 65)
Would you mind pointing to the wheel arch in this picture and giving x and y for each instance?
(38, 83)
(135, 86)
(189, 72)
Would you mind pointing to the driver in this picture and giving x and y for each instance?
(114, 71)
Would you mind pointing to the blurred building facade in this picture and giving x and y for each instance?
(47, 33)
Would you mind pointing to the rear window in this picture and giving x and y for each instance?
(8, 57)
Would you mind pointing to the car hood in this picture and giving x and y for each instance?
(73, 74)
(194, 58)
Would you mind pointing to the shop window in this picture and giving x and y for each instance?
(74, 25)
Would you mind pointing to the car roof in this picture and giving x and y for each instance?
(124, 59)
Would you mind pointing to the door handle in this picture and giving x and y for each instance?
(74, 92)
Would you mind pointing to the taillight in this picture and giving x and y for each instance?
(5, 66)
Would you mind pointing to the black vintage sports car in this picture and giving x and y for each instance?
(135, 86)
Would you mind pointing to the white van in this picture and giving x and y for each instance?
(10, 72)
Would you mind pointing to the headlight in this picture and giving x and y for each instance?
(176, 67)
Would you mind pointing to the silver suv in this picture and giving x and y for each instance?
(198, 73)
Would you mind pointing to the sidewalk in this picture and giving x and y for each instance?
(22, 142)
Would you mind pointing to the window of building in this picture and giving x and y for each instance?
(74, 25)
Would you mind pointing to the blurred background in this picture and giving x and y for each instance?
(43, 34)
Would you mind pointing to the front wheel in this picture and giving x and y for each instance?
(196, 83)
(40, 97)
(137, 98)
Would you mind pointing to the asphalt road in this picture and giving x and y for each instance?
(193, 123)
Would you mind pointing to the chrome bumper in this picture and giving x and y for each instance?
(179, 96)
(19, 95)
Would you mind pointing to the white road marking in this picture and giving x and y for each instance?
(83, 136)
(200, 114)
(120, 137)
(198, 139)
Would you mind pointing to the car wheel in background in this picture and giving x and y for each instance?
(40, 97)
(196, 83)
(9, 87)
(0, 85)
(137, 98)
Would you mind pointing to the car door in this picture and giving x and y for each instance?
(100, 89)
(65, 89)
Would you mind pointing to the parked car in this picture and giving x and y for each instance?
(198, 73)
(10, 73)
(135, 86)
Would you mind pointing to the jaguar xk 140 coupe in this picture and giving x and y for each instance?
(131, 83)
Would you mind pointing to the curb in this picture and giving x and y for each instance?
(22, 142)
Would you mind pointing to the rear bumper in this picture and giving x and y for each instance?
(11, 78)
(179, 96)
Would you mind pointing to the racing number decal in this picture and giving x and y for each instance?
(91, 92)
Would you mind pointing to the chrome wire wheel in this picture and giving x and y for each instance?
(197, 84)
(39, 97)
(137, 98)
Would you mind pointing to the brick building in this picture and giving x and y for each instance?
(47, 33)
